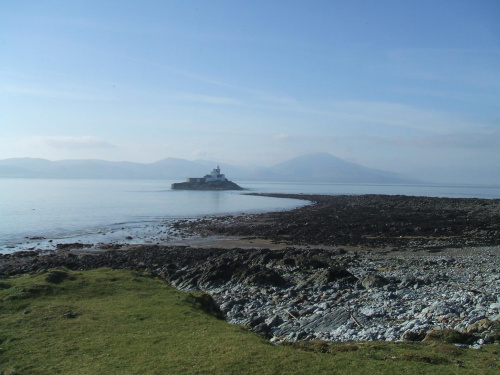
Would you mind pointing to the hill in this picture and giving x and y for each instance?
(40, 168)
(319, 167)
(323, 167)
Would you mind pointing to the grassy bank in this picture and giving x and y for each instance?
(121, 322)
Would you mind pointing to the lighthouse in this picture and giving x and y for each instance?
(215, 175)
(212, 181)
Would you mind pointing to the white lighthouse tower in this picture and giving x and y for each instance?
(215, 175)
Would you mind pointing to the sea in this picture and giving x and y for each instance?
(40, 213)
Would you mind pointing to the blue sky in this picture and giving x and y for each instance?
(407, 86)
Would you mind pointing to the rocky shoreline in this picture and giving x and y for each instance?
(371, 221)
(355, 268)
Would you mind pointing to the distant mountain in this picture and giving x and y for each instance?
(323, 167)
(40, 168)
(319, 167)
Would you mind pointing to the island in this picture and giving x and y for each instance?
(212, 181)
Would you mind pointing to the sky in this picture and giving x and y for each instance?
(405, 86)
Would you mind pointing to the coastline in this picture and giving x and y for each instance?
(142, 230)
(316, 294)
(319, 271)
(389, 222)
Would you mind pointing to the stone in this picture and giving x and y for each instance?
(261, 328)
(274, 321)
(413, 336)
(495, 306)
(328, 322)
(373, 281)
(254, 321)
(330, 275)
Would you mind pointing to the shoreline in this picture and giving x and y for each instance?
(320, 272)
(160, 231)
(389, 222)
(316, 294)
(163, 232)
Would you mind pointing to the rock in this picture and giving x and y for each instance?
(495, 318)
(413, 336)
(408, 281)
(327, 322)
(274, 321)
(440, 308)
(261, 328)
(254, 321)
(372, 312)
(265, 277)
(74, 245)
(373, 281)
(285, 330)
(479, 326)
(330, 275)
(495, 306)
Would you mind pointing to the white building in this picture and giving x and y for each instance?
(215, 175)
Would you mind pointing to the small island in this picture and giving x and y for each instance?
(213, 181)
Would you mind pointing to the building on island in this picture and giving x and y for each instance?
(215, 175)
(212, 181)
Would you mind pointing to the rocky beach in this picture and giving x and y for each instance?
(345, 268)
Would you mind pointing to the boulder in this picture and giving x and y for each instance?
(413, 336)
(330, 275)
(373, 281)
(328, 322)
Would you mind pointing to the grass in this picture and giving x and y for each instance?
(121, 322)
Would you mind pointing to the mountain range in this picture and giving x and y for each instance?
(318, 167)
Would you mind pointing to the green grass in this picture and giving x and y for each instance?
(121, 322)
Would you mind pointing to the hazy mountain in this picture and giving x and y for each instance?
(40, 168)
(320, 167)
(323, 167)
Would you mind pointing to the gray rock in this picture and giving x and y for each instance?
(254, 321)
(494, 306)
(330, 275)
(373, 281)
(328, 322)
(413, 336)
(261, 328)
(440, 308)
(274, 321)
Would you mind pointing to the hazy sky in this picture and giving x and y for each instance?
(396, 85)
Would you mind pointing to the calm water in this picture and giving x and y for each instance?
(449, 191)
(68, 208)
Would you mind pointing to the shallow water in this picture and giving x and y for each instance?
(448, 191)
(72, 208)
(89, 210)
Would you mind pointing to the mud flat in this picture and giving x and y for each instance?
(346, 268)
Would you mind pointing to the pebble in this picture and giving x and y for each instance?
(390, 309)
